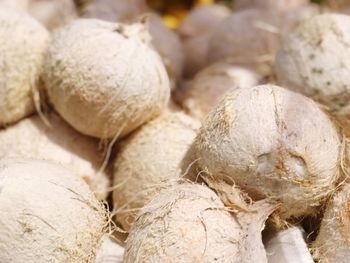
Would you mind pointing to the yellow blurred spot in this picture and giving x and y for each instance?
(171, 21)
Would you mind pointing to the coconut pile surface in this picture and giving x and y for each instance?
(174, 131)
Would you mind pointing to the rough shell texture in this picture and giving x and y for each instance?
(53, 13)
(333, 241)
(148, 160)
(115, 10)
(202, 20)
(274, 143)
(210, 84)
(47, 214)
(109, 252)
(104, 78)
(271, 4)
(189, 223)
(23, 46)
(169, 46)
(315, 60)
(31, 138)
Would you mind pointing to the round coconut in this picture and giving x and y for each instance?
(48, 214)
(189, 223)
(202, 20)
(209, 85)
(169, 47)
(115, 10)
(104, 78)
(54, 13)
(109, 252)
(333, 241)
(23, 47)
(275, 144)
(269, 4)
(148, 160)
(314, 60)
(31, 138)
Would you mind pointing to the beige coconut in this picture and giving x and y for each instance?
(47, 214)
(273, 143)
(210, 84)
(202, 20)
(189, 223)
(281, 5)
(115, 10)
(54, 13)
(148, 160)
(23, 46)
(31, 138)
(169, 47)
(315, 60)
(104, 78)
(196, 30)
(333, 241)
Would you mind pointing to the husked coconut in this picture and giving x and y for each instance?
(202, 20)
(315, 60)
(196, 30)
(149, 160)
(169, 46)
(53, 13)
(31, 138)
(23, 46)
(109, 252)
(104, 78)
(47, 214)
(210, 84)
(333, 241)
(275, 144)
(189, 223)
(270, 4)
(114, 10)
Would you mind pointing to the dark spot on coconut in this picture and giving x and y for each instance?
(312, 56)
(328, 83)
(319, 42)
(317, 71)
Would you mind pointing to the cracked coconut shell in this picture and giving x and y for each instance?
(189, 223)
(275, 144)
(149, 160)
(104, 78)
(32, 138)
(23, 45)
(47, 214)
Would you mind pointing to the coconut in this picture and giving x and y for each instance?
(202, 20)
(210, 84)
(37, 198)
(333, 241)
(169, 47)
(275, 144)
(189, 223)
(114, 10)
(31, 138)
(105, 94)
(137, 174)
(53, 13)
(196, 30)
(314, 60)
(23, 47)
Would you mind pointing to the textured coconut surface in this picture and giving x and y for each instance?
(47, 214)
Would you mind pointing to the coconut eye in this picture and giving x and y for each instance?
(266, 163)
(298, 165)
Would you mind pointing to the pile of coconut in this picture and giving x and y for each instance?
(224, 139)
